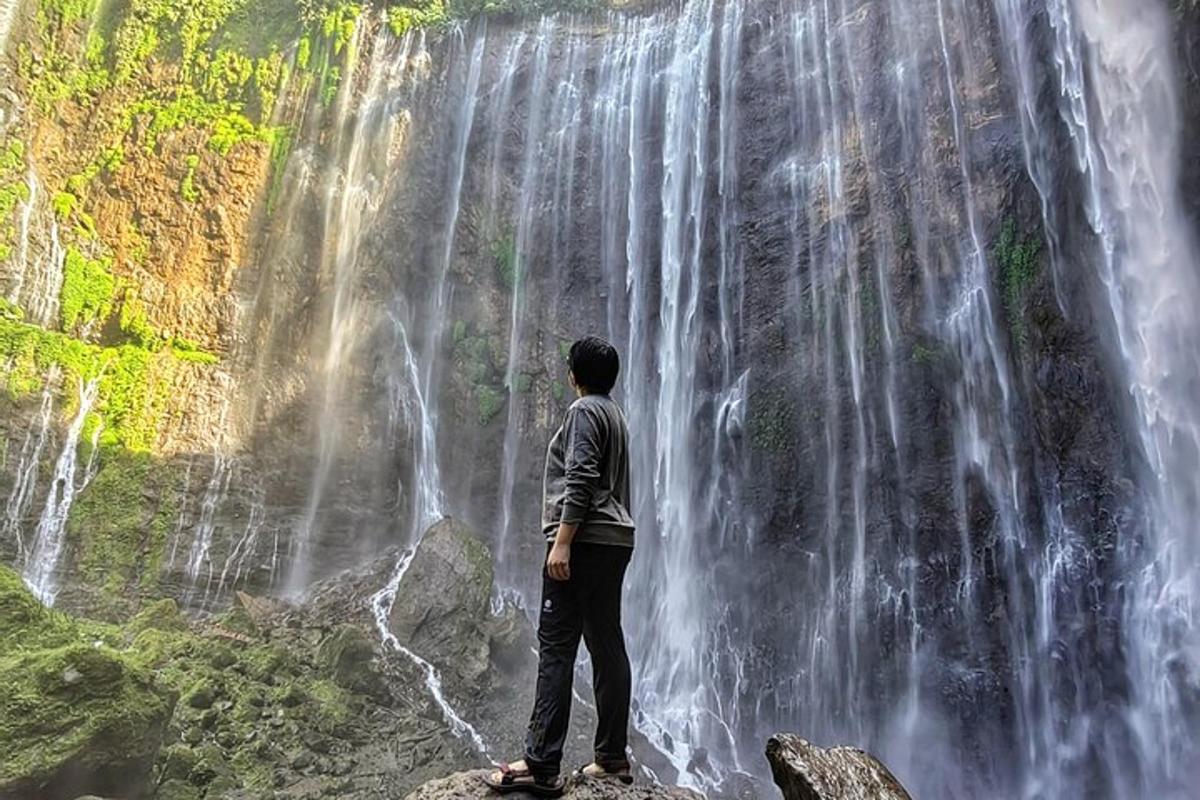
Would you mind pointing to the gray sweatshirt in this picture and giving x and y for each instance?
(587, 474)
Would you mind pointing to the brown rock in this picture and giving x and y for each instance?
(804, 771)
(470, 786)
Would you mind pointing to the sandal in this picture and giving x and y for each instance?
(595, 771)
(514, 780)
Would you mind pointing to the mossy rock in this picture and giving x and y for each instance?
(26, 623)
(178, 761)
(176, 789)
(348, 656)
(162, 615)
(78, 718)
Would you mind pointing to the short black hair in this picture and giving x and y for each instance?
(595, 364)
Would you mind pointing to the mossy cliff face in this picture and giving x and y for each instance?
(146, 149)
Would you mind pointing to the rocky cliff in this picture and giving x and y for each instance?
(287, 281)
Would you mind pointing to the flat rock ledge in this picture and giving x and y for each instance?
(470, 786)
(804, 771)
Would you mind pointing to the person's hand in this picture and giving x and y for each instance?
(558, 563)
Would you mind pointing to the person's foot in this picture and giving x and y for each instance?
(612, 772)
(516, 776)
(517, 769)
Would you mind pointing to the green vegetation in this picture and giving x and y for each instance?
(133, 380)
(187, 187)
(1018, 258)
(120, 538)
(504, 254)
(87, 290)
(102, 697)
(70, 698)
(478, 361)
(13, 190)
(426, 14)
(491, 401)
(925, 355)
(771, 421)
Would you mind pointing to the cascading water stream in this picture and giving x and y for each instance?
(42, 564)
(369, 127)
(1117, 101)
(8, 15)
(24, 490)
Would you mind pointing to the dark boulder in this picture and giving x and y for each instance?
(442, 604)
(804, 771)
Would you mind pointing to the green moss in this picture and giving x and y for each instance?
(162, 615)
(770, 421)
(64, 204)
(402, 19)
(1018, 258)
(133, 381)
(281, 149)
(26, 624)
(135, 325)
(87, 290)
(331, 706)
(107, 521)
(924, 355)
(558, 390)
(68, 11)
(187, 350)
(187, 187)
(331, 79)
(67, 702)
(490, 402)
(504, 255)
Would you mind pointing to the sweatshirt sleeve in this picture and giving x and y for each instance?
(584, 450)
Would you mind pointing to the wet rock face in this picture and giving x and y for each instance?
(804, 771)
(470, 786)
(442, 603)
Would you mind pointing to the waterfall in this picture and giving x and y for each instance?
(47, 547)
(24, 490)
(38, 260)
(854, 518)
(1117, 100)
(238, 562)
(8, 15)
(364, 130)
(215, 493)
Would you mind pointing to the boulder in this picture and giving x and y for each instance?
(470, 786)
(76, 716)
(442, 604)
(804, 771)
(348, 656)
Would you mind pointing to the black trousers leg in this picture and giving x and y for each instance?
(605, 641)
(560, 625)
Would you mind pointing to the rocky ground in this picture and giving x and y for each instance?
(469, 786)
(266, 700)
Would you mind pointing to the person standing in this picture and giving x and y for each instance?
(589, 542)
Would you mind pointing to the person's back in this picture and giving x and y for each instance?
(589, 534)
(595, 439)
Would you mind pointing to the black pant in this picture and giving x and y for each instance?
(589, 604)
